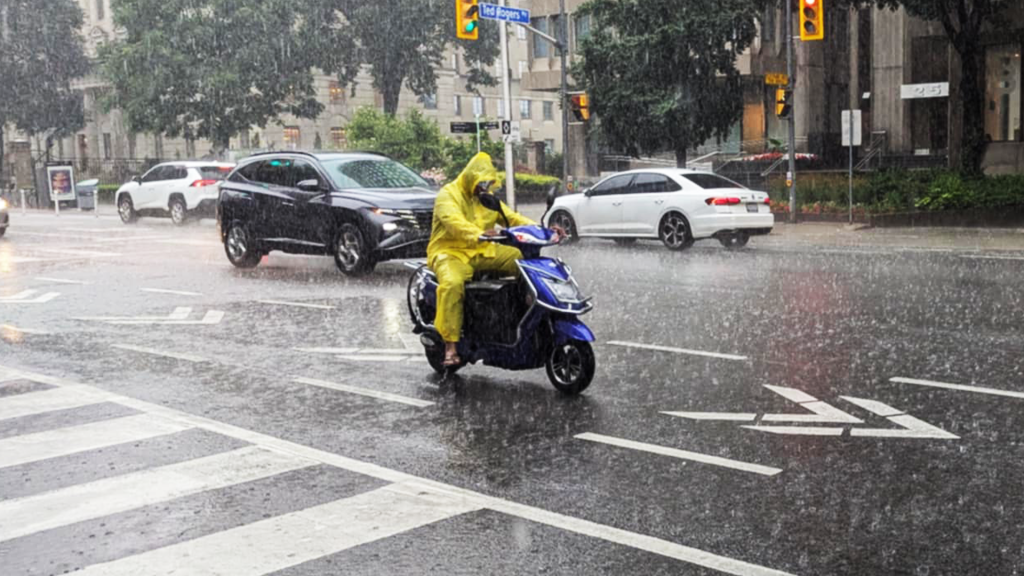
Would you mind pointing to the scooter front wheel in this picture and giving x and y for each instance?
(571, 366)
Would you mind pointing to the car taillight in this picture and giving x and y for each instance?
(768, 201)
(201, 183)
(722, 201)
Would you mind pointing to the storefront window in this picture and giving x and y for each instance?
(1002, 92)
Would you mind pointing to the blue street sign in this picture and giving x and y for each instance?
(495, 12)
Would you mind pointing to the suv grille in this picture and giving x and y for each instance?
(418, 219)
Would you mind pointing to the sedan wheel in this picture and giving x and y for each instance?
(675, 232)
(350, 251)
(240, 247)
(566, 222)
(126, 210)
(734, 241)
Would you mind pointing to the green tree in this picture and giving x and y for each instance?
(662, 74)
(40, 54)
(414, 140)
(402, 42)
(211, 68)
(964, 21)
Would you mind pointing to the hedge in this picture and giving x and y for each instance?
(533, 186)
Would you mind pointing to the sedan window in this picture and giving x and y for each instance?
(709, 181)
(372, 173)
(613, 185)
(653, 183)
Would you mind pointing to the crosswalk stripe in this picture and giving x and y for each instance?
(31, 514)
(43, 401)
(19, 450)
(291, 539)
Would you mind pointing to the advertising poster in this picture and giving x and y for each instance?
(62, 183)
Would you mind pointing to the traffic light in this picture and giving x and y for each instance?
(580, 104)
(467, 19)
(812, 20)
(783, 102)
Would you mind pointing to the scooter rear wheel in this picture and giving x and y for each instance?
(571, 366)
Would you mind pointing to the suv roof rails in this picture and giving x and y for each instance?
(316, 153)
(266, 152)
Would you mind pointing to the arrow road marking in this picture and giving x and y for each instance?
(823, 413)
(23, 298)
(912, 427)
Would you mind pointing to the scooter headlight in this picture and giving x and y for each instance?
(562, 290)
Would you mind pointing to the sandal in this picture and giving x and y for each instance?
(452, 360)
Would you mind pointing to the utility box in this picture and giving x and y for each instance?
(87, 194)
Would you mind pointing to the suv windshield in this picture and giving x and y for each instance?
(372, 173)
(708, 181)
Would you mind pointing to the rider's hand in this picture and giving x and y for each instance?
(492, 233)
(559, 232)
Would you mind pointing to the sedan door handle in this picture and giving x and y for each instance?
(659, 201)
(616, 203)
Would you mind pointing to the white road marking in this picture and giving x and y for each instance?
(798, 430)
(283, 541)
(374, 358)
(154, 352)
(80, 253)
(959, 387)
(19, 296)
(63, 441)
(31, 514)
(163, 291)
(192, 243)
(979, 257)
(679, 350)
(576, 525)
(176, 318)
(37, 300)
(62, 281)
(385, 351)
(364, 392)
(43, 401)
(297, 304)
(682, 454)
(823, 413)
(180, 313)
(327, 350)
(15, 330)
(912, 427)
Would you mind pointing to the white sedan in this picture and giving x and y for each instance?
(176, 189)
(674, 205)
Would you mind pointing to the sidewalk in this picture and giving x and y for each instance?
(834, 234)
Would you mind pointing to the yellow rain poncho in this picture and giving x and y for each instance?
(455, 252)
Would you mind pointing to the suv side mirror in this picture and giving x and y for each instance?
(137, 179)
(311, 185)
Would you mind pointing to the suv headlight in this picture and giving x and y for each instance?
(562, 290)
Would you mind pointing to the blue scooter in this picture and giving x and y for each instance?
(521, 323)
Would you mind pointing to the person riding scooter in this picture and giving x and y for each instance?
(455, 252)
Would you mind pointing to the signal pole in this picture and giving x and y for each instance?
(510, 166)
(563, 48)
(791, 174)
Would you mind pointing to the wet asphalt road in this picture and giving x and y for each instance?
(851, 471)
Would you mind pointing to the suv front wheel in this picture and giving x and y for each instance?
(240, 247)
(351, 253)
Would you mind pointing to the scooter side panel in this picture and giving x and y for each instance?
(572, 329)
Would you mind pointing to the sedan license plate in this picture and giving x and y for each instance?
(753, 207)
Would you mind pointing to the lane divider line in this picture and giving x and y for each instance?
(176, 292)
(154, 352)
(364, 392)
(297, 304)
(959, 387)
(679, 350)
(681, 454)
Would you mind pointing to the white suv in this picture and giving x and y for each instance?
(176, 189)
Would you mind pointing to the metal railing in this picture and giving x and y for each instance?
(875, 149)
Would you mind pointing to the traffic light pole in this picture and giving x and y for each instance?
(506, 83)
(563, 48)
(791, 174)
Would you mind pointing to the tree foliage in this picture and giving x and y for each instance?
(41, 52)
(402, 42)
(662, 74)
(211, 68)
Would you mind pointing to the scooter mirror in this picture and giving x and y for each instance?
(551, 196)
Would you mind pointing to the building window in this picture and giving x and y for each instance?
(541, 48)
(1002, 92)
(101, 9)
(292, 137)
(107, 152)
(525, 109)
(501, 108)
(549, 111)
(549, 145)
(337, 92)
(520, 32)
(455, 63)
(523, 67)
(581, 28)
(457, 102)
(556, 29)
(338, 139)
(478, 106)
(429, 101)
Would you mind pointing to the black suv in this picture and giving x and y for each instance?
(362, 208)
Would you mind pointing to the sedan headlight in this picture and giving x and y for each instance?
(562, 290)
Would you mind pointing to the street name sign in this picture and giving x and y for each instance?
(776, 79)
(470, 127)
(495, 12)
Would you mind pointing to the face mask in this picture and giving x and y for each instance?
(483, 187)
